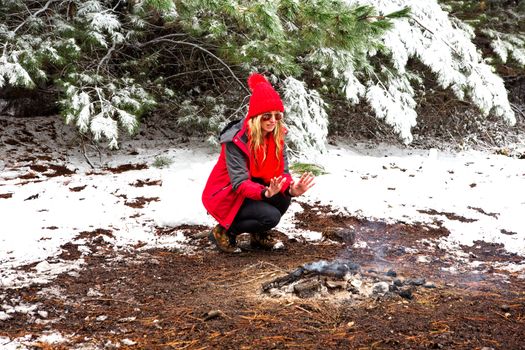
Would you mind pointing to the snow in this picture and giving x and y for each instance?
(26, 342)
(397, 184)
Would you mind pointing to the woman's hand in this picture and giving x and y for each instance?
(276, 184)
(304, 184)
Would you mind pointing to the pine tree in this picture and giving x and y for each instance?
(114, 61)
(76, 46)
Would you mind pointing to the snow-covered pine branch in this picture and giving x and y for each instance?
(12, 73)
(74, 50)
(306, 120)
(109, 59)
(442, 44)
(507, 46)
(101, 111)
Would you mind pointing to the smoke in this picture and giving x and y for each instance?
(336, 268)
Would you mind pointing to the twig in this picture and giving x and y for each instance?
(9, 342)
(107, 56)
(490, 138)
(243, 271)
(302, 309)
(209, 70)
(431, 32)
(244, 282)
(517, 110)
(109, 299)
(34, 15)
(165, 39)
(238, 109)
(453, 138)
(85, 155)
(190, 72)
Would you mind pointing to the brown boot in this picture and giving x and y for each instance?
(223, 240)
(265, 241)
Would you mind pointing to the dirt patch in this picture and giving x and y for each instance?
(69, 252)
(6, 195)
(38, 168)
(77, 188)
(330, 221)
(11, 142)
(450, 216)
(59, 170)
(28, 176)
(140, 202)
(95, 234)
(147, 182)
(479, 210)
(493, 252)
(190, 231)
(508, 233)
(35, 196)
(126, 167)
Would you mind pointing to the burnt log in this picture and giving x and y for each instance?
(284, 280)
(335, 269)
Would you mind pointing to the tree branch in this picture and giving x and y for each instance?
(31, 15)
(107, 56)
(34, 14)
(166, 39)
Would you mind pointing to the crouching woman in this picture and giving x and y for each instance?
(250, 187)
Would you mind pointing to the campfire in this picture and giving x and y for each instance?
(325, 278)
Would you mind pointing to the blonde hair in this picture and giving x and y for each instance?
(256, 136)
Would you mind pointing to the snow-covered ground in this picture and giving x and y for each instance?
(476, 195)
(381, 182)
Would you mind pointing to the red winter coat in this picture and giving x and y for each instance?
(230, 180)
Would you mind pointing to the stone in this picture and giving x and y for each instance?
(505, 308)
(347, 235)
(416, 281)
(380, 288)
(391, 273)
(398, 282)
(429, 285)
(278, 246)
(356, 283)
(336, 284)
(406, 293)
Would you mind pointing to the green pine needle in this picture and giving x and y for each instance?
(301, 168)
(404, 13)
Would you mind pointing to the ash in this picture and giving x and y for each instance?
(343, 279)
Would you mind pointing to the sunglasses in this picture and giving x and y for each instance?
(267, 116)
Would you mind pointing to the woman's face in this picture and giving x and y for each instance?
(269, 121)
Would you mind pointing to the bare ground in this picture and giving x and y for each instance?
(162, 299)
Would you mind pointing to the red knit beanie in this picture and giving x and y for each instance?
(264, 98)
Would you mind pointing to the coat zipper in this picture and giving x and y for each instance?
(222, 189)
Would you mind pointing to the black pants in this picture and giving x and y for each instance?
(260, 216)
